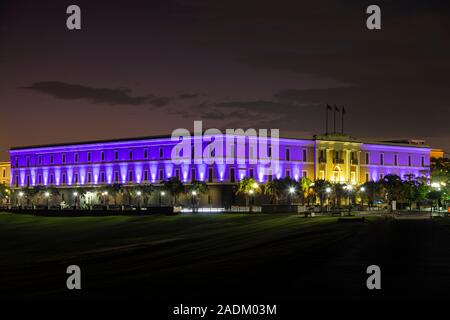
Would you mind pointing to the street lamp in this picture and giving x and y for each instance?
(362, 190)
(349, 188)
(47, 196)
(291, 192)
(161, 194)
(194, 193)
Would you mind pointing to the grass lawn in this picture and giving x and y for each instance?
(199, 257)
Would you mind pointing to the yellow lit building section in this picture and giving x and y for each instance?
(437, 153)
(5, 171)
(337, 161)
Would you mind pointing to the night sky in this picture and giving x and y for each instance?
(140, 68)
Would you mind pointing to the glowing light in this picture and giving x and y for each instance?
(75, 194)
(251, 191)
(47, 194)
(328, 190)
(194, 193)
(291, 190)
(255, 185)
(163, 193)
(362, 189)
(20, 194)
(139, 193)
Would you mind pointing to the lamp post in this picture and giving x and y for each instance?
(47, 196)
(21, 194)
(194, 194)
(291, 192)
(139, 194)
(349, 190)
(161, 194)
(362, 190)
(328, 191)
(251, 193)
(75, 195)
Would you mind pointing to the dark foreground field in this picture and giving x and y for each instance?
(209, 258)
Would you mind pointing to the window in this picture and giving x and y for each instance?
(116, 155)
(116, 176)
(145, 153)
(130, 176)
(40, 179)
(381, 176)
(161, 174)
(28, 180)
(251, 173)
(288, 154)
(145, 175)
(75, 178)
(353, 177)
(89, 177)
(382, 159)
(131, 154)
(52, 179)
(76, 158)
(232, 175)
(367, 158)
(161, 152)
(270, 178)
(4, 173)
(304, 155)
(305, 174)
(63, 178)
(269, 152)
(409, 161)
(51, 159)
(103, 155)
(288, 173)
(102, 177)
(210, 174)
(17, 181)
(40, 160)
(89, 157)
(28, 161)
(367, 177)
(177, 173)
(396, 160)
(193, 174)
(423, 161)
(63, 158)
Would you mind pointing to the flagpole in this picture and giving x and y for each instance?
(334, 120)
(326, 121)
(342, 125)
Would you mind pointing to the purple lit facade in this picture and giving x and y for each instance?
(134, 162)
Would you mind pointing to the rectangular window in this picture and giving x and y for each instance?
(353, 177)
(367, 177)
(116, 176)
(161, 152)
(210, 174)
(409, 161)
(288, 154)
(103, 155)
(40, 179)
(193, 174)
(63, 178)
(102, 177)
(28, 180)
(40, 160)
(270, 176)
(177, 173)
(161, 174)
(396, 160)
(131, 154)
(52, 179)
(305, 174)
(423, 161)
(17, 181)
(4, 173)
(51, 159)
(367, 158)
(381, 176)
(89, 177)
(382, 159)
(269, 152)
(145, 175)
(75, 178)
(232, 175)
(304, 155)
(76, 158)
(130, 176)
(116, 155)
(251, 173)
(288, 173)
(63, 158)
(145, 153)
(89, 157)
(28, 161)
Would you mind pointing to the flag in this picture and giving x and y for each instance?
(343, 110)
(336, 109)
(329, 108)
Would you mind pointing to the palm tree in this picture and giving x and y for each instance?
(273, 190)
(320, 189)
(4, 192)
(304, 186)
(339, 192)
(114, 190)
(393, 186)
(146, 189)
(195, 189)
(249, 188)
(175, 187)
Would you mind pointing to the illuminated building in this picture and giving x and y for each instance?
(133, 162)
(5, 169)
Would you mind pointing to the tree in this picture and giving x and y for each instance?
(339, 193)
(249, 188)
(196, 189)
(304, 186)
(393, 185)
(4, 192)
(373, 191)
(273, 189)
(175, 187)
(146, 189)
(320, 190)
